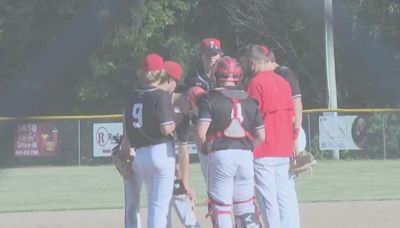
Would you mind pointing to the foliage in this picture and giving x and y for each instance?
(151, 26)
(36, 35)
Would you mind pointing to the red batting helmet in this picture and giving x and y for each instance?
(227, 69)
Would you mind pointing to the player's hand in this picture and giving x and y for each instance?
(185, 104)
(190, 193)
(296, 147)
(214, 59)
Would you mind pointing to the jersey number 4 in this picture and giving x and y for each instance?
(137, 115)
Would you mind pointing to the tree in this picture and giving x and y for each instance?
(150, 26)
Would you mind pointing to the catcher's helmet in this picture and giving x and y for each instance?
(227, 69)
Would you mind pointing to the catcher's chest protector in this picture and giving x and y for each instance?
(235, 129)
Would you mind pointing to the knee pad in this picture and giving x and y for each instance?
(248, 220)
(216, 209)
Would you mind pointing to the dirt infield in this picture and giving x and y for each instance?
(366, 214)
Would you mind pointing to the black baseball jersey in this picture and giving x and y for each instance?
(147, 110)
(218, 108)
(199, 78)
(291, 77)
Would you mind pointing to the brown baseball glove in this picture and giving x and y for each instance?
(302, 162)
(122, 161)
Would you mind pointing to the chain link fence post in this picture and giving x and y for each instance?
(384, 136)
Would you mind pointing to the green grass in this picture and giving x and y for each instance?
(66, 188)
(351, 181)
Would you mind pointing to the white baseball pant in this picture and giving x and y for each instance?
(275, 192)
(156, 166)
(132, 189)
(232, 180)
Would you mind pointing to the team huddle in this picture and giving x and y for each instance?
(246, 118)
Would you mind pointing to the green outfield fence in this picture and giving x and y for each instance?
(380, 138)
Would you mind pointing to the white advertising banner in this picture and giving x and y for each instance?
(104, 135)
(335, 133)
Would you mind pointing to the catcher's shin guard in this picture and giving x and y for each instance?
(248, 220)
(215, 210)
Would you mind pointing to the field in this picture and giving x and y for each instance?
(65, 191)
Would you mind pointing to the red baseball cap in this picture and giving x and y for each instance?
(265, 49)
(173, 69)
(211, 45)
(153, 62)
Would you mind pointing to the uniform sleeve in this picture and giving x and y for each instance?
(194, 94)
(258, 121)
(292, 78)
(164, 109)
(254, 91)
(204, 109)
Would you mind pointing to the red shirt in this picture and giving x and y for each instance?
(274, 97)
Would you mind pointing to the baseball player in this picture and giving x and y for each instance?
(275, 189)
(202, 81)
(149, 124)
(293, 80)
(183, 197)
(228, 126)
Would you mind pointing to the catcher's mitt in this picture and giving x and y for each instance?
(302, 162)
(122, 162)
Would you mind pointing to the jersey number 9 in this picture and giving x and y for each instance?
(137, 115)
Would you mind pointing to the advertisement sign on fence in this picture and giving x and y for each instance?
(338, 132)
(104, 135)
(35, 140)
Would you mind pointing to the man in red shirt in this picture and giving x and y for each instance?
(275, 188)
(293, 80)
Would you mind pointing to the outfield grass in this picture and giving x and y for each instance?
(66, 188)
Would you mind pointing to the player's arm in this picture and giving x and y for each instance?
(182, 133)
(165, 114)
(203, 123)
(259, 136)
(200, 135)
(184, 170)
(298, 106)
(167, 129)
(296, 95)
(298, 112)
(194, 94)
(259, 128)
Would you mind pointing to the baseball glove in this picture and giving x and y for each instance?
(121, 161)
(302, 162)
(179, 188)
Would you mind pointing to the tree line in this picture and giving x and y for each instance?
(80, 56)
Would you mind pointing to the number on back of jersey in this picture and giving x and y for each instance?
(137, 115)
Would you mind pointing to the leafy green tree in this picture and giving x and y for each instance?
(150, 26)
